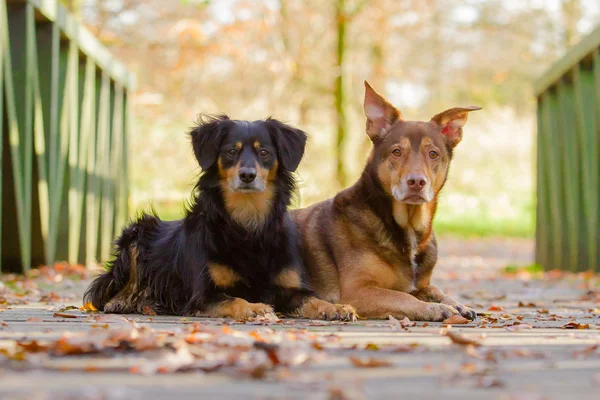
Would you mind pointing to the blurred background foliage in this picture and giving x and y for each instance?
(304, 62)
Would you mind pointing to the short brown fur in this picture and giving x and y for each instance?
(372, 245)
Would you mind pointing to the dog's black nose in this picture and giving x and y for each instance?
(416, 182)
(247, 175)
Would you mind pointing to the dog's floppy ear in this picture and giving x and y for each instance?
(206, 138)
(380, 113)
(290, 143)
(451, 122)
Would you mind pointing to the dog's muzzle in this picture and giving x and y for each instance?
(413, 189)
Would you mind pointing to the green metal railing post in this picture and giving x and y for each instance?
(65, 111)
(568, 160)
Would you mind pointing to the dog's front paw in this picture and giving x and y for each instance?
(261, 310)
(118, 306)
(235, 308)
(437, 312)
(317, 308)
(466, 312)
(340, 312)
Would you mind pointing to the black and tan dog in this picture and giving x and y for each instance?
(372, 245)
(235, 253)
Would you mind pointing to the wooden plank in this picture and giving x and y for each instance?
(594, 140)
(565, 150)
(19, 118)
(116, 158)
(80, 158)
(584, 48)
(2, 44)
(93, 186)
(550, 109)
(40, 217)
(543, 216)
(587, 129)
(47, 95)
(103, 159)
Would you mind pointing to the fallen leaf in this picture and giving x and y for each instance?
(369, 362)
(588, 351)
(63, 315)
(575, 325)
(34, 319)
(32, 346)
(461, 340)
(372, 346)
(517, 326)
(456, 320)
(89, 307)
(531, 305)
(496, 308)
(147, 310)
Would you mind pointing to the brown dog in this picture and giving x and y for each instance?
(372, 245)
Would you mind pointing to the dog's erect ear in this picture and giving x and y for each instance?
(290, 143)
(380, 113)
(206, 138)
(451, 122)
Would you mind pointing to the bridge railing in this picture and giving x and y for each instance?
(568, 160)
(65, 106)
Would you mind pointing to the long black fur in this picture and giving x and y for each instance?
(172, 256)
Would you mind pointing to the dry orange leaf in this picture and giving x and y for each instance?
(496, 308)
(462, 340)
(88, 307)
(456, 320)
(369, 362)
(575, 325)
(32, 347)
(147, 310)
(63, 315)
(34, 319)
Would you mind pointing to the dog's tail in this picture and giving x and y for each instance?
(107, 285)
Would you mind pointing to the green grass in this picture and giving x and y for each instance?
(480, 226)
(485, 227)
(533, 268)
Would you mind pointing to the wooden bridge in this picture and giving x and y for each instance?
(65, 106)
(568, 160)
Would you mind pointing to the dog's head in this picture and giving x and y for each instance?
(251, 160)
(411, 158)
(247, 154)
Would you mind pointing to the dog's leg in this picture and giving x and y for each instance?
(125, 301)
(433, 294)
(234, 307)
(296, 299)
(375, 302)
(313, 307)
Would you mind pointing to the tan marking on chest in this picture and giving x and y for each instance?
(414, 217)
(222, 275)
(288, 279)
(249, 209)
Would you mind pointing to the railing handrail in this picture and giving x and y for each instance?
(74, 30)
(577, 53)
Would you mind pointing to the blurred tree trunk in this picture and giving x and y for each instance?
(571, 13)
(339, 93)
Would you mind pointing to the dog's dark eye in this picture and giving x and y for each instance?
(433, 154)
(397, 152)
(231, 152)
(263, 153)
